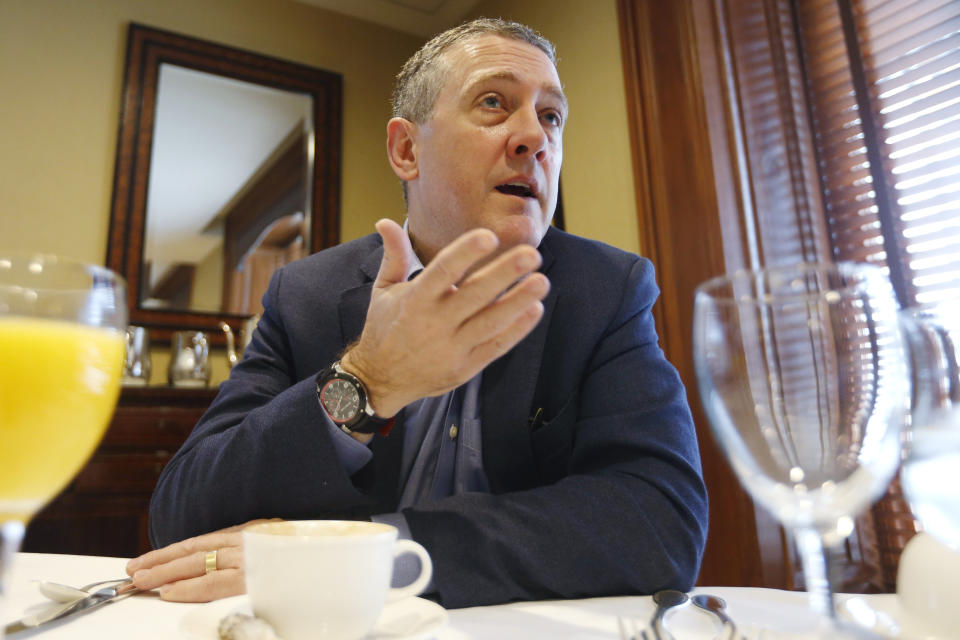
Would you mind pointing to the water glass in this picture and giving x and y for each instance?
(802, 375)
(931, 467)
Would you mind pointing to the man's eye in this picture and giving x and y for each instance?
(553, 118)
(491, 102)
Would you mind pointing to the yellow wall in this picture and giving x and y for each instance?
(61, 68)
(597, 176)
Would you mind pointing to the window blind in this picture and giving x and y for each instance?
(883, 92)
(883, 78)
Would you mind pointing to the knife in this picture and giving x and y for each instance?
(97, 599)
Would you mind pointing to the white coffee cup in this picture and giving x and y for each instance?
(928, 580)
(325, 578)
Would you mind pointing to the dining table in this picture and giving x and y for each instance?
(760, 614)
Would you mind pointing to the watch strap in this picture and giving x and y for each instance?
(384, 427)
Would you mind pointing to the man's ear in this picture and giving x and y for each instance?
(402, 148)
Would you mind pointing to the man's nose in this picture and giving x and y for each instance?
(527, 137)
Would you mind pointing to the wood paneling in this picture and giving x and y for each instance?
(689, 195)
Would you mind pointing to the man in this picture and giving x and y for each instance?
(507, 406)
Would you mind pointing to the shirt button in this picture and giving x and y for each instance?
(453, 431)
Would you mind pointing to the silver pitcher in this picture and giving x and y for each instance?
(243, 338)
(136, 367)
(189, 359)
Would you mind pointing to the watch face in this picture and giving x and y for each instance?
(341, 400)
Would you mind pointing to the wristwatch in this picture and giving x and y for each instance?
(344, 398)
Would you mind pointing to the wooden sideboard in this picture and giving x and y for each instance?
(104, 511)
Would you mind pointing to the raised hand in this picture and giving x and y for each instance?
(430, 335)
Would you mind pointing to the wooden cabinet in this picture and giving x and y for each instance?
(104, 511)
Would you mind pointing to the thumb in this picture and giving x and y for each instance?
(397, 253)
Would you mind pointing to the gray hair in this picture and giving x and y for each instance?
(424, 74)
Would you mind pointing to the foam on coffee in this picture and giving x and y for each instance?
(314, 528)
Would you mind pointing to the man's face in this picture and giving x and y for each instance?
(489, 155)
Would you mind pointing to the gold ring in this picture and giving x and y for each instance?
(210, 561)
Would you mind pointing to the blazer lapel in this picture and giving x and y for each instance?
(354, 301)
(506, 402)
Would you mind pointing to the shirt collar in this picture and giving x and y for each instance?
(416, 266)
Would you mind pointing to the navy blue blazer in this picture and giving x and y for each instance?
(601, 495)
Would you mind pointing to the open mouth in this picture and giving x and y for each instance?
(516, 189)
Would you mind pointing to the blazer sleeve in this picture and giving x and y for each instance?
(628, 513)
(261, 449)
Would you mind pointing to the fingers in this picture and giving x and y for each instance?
(447, 269)
(505, 340)
(505, 276)
(397, 253)
(522, 300)
(186, 567)
(227, 537)
(463, 298)
(218, 584)
(208, 542)
(179, 569)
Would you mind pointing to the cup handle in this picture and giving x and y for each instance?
(426, 570)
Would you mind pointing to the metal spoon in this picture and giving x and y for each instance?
(715, 605)
(64, 593)
(665, 599)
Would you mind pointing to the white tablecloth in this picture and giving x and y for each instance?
(146, 617)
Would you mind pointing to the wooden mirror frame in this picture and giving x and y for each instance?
(147, 48)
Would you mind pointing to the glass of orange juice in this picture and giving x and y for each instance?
(62, 346)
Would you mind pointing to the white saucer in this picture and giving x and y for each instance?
(408, 619)
(885, 616)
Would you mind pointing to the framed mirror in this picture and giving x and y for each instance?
(227, 167)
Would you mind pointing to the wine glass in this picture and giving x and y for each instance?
(932, 460)
(802, 375)
(62, 344)
(927, 576)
